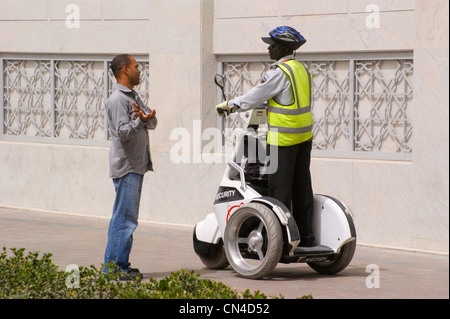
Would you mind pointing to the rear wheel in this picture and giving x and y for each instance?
(212, 255)
(217, 258)
(253, 241)
(339, 263)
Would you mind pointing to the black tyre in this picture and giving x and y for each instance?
(212, 255)
(338, 264)
(253, 241)
(217, 259)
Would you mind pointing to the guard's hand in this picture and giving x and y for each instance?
(223, 109)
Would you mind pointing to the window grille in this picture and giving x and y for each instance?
(58, 98)
(360, 105)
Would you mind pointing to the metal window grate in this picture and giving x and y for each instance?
(383, 91)
(58, 98)
(360, 106)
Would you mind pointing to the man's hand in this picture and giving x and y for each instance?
(223, 109)
(141, 114)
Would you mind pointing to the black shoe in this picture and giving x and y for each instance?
(131, 274)
(306, 243)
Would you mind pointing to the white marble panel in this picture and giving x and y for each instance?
(334, 178)
(126, 10)
(431, 24)
(312, 7)
(80, 180)
(70, 179)
(401, 204)
(229, 9)
(235, 37)
(24, 174)
(174, 26)
(430, 118)
(88, 9)
(383, 199)
(377, 192)
(336, 33)
(382, 5)
(430, 113)
(23, 10)
(179, 193)
(431, 211)
(175, 94)
(93, 37)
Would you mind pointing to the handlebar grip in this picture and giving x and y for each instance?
(221, 112)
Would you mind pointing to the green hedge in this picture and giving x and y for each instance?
(30, 277)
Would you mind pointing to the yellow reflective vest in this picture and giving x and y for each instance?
(292, 124)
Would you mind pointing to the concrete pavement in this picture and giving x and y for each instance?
(159, 250)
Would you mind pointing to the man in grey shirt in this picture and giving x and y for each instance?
(129, 159)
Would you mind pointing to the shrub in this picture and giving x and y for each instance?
(30, 277)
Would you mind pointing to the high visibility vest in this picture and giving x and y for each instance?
(292, 124)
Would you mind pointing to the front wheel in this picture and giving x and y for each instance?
(253, 241)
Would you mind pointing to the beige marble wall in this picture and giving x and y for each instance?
(183, 92)
(329, 26)
(177, 35)
(401, 204)
(60, 178)
(431, 125)
(106, 26)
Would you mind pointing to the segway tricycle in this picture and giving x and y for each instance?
(254, 232)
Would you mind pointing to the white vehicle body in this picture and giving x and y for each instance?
(261, 224)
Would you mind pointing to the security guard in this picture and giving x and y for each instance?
(287, 87)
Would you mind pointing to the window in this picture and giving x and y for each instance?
(58, 99)
(361, 103)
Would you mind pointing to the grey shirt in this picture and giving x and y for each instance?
(275, 84)
(130, 149)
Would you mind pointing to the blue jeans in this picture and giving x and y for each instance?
(124, 220)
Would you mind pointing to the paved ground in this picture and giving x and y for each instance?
(159, 250)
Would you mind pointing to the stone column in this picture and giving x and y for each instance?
(182, 91)
(431, 124)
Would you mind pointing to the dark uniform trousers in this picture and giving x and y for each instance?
(291, 184)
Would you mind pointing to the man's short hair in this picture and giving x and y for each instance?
(118, 62)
